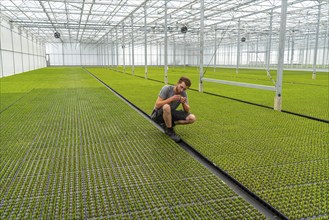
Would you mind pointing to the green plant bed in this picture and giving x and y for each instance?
(264, 149)
(300, 93)
(72, 149)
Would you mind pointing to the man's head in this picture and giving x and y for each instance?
(183, 84)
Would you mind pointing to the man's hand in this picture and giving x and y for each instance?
(176, 98)
(182, 99)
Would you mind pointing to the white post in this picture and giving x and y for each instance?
(166, 46)
(215, 49)
(160, 53)
(238, 50)
(145, 39)
(283, 21)
(174, 51)
(316, 42)
(257, 41)
(307, 48)
(1, 61)
(325, 42)
(184, 51)
(132, 46)
(123, 49)
(269, 42)
(117, 47)
(107, 51)
(12, 47)
(201, 43)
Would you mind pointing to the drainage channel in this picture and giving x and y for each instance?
(258, 203)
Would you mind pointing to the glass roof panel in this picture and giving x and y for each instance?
(92, 21)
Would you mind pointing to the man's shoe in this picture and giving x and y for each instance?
(171, 133)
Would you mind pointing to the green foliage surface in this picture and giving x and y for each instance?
(300, 93)
(71, 149)
(282, 158)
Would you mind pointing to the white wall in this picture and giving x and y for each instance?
(19, 51)
(71, 54)
(68, 54)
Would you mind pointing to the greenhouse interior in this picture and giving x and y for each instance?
(80, 80)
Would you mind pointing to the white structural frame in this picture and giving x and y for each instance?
(234, 83)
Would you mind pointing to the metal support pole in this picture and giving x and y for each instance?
(33, 53)
(166, 45)
(1, 61)
(12, 46)
(215, 49)
(117, 47)
(174, 51)
(238, 50)
(21, 42)
(107, 51)
(63, 53)
(28, 51)
(184, 51)
(160, 53)
(132, 46)
(157, 53)
(129, 54)
(288, 50)
(201, 43)
(282, 38)
(269, 44)
(325, 45)
(292, 48)
(316, 42)
(307, 48)
(112, 50)
(145, 38)
(123, 49)
(257, 44)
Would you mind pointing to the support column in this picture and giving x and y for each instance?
(107, 51)
(123, 50)
(112, 50)
(1, 60)
(166, 45)
(174, 52)
(80, 52)
(33, 53)
(160, 54)
(184, 51)
(132, 46)
(307, 48)
(215, 49)
(316, 42)
(325, 45)
(20, 39)
(28, 50)
(257, 41)
(201, 34)
(288, 50)
(63, 53)
(282, 38)
(238, 49)
(292, 48)
(145, 38)
(117, 47)
(268, 49)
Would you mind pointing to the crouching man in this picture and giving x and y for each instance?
(165, 113)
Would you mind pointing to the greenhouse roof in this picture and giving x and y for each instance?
(95, 21)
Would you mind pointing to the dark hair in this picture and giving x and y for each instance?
(186, 80)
